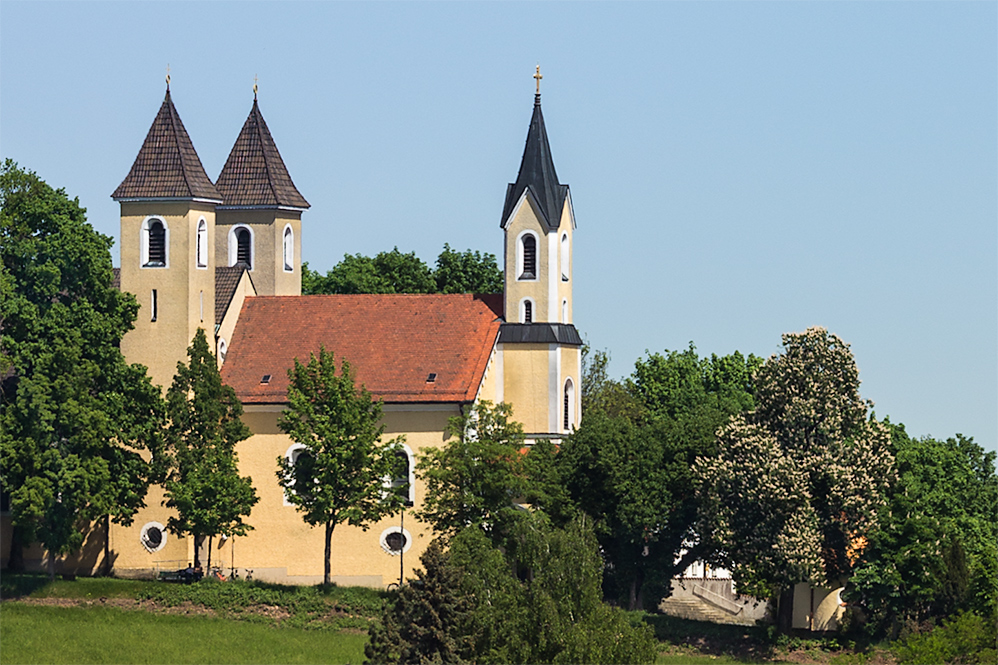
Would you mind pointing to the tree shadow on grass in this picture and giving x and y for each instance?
(745, 643)
(19, 585)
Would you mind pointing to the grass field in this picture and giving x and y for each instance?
(35, 634)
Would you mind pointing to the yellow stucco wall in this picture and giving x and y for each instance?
(267, 226)
(185, 292)
(817, 608)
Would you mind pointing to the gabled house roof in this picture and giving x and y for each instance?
(537, 175)
(167, 165)
(394, 343)
(226, 281)
(254, 175)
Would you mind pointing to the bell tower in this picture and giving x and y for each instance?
(259, 221)
(167, 261)
(538, 223)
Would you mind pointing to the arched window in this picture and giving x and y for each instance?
(402, 478)
(526, 311)
(528, 256)
(202, 249)
(300, 458)
(222, 349)
(568, 411)
(243, 247)
(155, 244)
(564, 257)
(289, 249)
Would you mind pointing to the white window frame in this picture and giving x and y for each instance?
(523, 310)
(291, 454)
(569, 389)
(395, 529)
(222, 349)
(565, 260)
(564, 310)
(145, 530)
(519, 257)
(411, 458)
(288, 247)
(201, 260)
(144, 242)
(234, 245)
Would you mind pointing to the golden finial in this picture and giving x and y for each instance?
(537, 75)
(256, 88)
(168, 77)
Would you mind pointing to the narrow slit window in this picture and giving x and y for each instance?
(289, 250)
(202, 250)
(564, 257)
(568, 407)
(528, 312)
(529, 249)
(157, 244)
(153, 306)
(201, 304)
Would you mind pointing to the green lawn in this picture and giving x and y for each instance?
(34, 634)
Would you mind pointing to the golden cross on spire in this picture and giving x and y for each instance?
(538, 77)
(168, 77)
(256, 88)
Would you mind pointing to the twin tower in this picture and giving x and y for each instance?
(192, 250)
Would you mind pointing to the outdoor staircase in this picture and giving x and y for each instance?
(698, 609)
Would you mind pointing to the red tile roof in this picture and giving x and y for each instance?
(254, 174)
(393, 343)
(167, 165)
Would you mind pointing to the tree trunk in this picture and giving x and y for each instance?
(106, 563)
(198, 541)
(635, 597)
(210, 538)
(785, 610)
(329, 553)
(15, 562)
(51, 565)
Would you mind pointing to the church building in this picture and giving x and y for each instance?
(225, 256)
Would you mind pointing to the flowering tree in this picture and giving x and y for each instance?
(797, 484)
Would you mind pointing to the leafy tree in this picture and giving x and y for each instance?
(74, 416)
(430, 619)
(629, 464)
(204, 485)
(339, 476)
(475, 478)
(467, 272)
(388, 272)
(935, 549)
(395, 272)
(797, 484)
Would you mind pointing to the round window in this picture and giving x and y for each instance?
(395, 541)
(153, 536)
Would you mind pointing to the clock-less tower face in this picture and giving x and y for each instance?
(539, 347)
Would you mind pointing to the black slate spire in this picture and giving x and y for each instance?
(537, 174)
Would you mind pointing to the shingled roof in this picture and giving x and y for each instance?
(254, 174)
(167, 166)
(226, 281)
(537, 175)
(393, 343)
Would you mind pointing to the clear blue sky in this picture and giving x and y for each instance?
(739, 170)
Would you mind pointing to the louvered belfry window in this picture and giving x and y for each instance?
(157, 244)
(529, 257)
(528, 312)
(566, 414)
(243, 247)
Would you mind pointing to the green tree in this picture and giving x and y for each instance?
(339, 475)
(74, 416)
(797, 484)
(629, 464)
(204, 485)
(935, 549)
(430, 621)
(476, 476)
(467, 272)
(395, 272)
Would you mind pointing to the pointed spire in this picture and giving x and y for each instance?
(254, 174)
(537, 174)
(167, 165)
